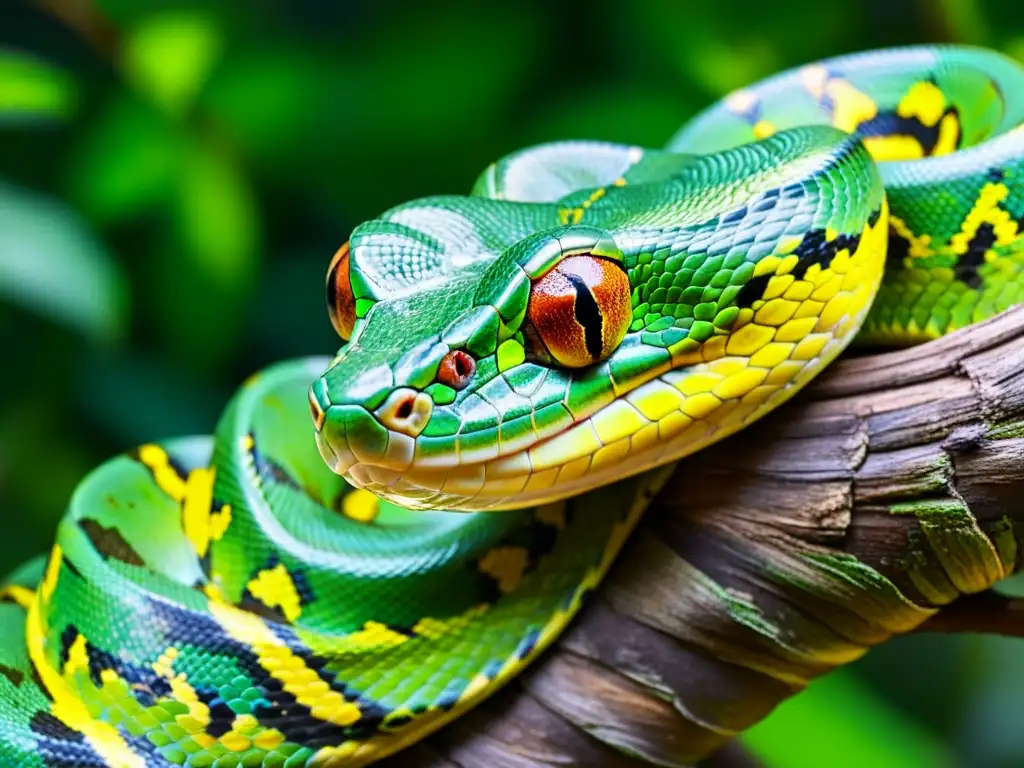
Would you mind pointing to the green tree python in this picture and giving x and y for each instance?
(521, 368)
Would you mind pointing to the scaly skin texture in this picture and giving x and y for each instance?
(233, 602)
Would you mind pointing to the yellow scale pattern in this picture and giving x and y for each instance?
(195, 493)
(354, 754)
(67, 706)
(852, 107)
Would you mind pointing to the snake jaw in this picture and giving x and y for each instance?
(351, 437)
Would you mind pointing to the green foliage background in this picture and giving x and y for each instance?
(174, 177)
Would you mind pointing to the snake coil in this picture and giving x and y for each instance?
(522, 367)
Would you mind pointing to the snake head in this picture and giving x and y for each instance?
(504, 353)
(437, 384)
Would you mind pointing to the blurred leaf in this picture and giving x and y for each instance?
(704, 43)
(722, 65)
(989, 731)
(926, 676)
(631, 115)
(168, 57)
(840, 723)
(266, 101)
(216, 218)
(126, 13)
(965, 19)
(1012, 586)
(112, 387)
(38, 470)
(32, 91)
(50, 263)
(205, 269)
(424, 86)
(127, 161)
(1015, 48)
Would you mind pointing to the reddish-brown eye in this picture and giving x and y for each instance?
(341, 304)
(581, 309)
(456, 369)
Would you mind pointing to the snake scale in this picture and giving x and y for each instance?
(535, 356)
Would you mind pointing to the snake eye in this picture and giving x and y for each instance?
(456, 369)
(341, 304)
(581, 309)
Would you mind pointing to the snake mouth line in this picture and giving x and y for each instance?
(654, 423)
(404, 457)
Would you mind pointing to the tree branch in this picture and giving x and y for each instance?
(859, 511)
(988, 612)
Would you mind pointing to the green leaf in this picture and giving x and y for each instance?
(206, 266)
(33, 91)
(169, 57)
(216, 217)
(266, 101)
(51, 264)
(840, 723)
(1011, 586)
(643, 116)
(127, 162)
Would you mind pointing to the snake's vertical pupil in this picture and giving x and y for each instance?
(341, 304)
(581, 309)
(456, 369)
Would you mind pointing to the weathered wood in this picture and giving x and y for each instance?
(884, 492)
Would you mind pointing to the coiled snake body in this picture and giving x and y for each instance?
(535, 355)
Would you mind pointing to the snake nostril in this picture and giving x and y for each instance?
(406, 411)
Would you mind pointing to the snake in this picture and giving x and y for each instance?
(373, 542)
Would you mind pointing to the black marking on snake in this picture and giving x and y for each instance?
(898, 250)
(67, 639)
(752, 290)
(303, 589)
(536, 537)
(60, 754)
(892, 124)
(588, 315)
(449, 697)
(995, 174)
(875, 216)
(527, 644)
(269, 470)
(173, 463)
(766, 203)
(278, 709)
(45, 724)
(966, 269)
(110, 543)
(396, 722)
(12, 674)
(71, 568)
(250, 604)
(796, 189)
(100, 660)
(815, 248)
(222, 716)
(738, 215)
(37, 681)
(144, 682)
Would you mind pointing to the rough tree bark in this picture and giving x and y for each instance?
(883, 493)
